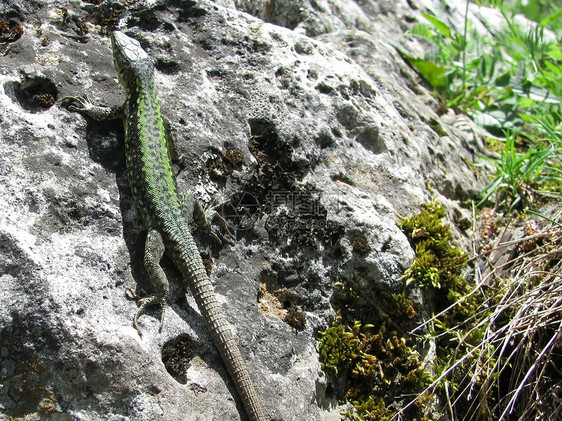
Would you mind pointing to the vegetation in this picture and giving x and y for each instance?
(437, 264)
(498, 338)
(510, 83)
(373, 363)
(500, 361)
(377, 360)
(498, 343)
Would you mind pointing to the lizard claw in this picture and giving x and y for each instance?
(77, 103)
(214, 214)
(142, 304)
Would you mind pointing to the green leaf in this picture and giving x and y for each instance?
(439, 25)
(422, 30)
(536, 93)
(434, 73)
(503, 80)
(552, 18)
(554, 69)
(555, 54)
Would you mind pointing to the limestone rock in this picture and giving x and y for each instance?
(301, 121)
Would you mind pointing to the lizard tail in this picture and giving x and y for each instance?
(204, 295)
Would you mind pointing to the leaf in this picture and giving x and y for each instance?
(536, 93)
(439, 25)
(434, 73)
(554, 69)
(422, 30)
(555, 54)
(503, 79)
(486, 120)
(552, 18)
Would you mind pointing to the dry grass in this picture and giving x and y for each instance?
(514, 370)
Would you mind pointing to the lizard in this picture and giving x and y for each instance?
(165, 214)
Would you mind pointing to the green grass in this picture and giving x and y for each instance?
(519, 175)
(511, 85)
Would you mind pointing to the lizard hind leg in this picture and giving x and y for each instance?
(153, 252)
(202, 217)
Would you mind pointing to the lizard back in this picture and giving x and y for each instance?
(146, 151)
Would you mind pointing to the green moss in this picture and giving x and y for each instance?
(424, 269)
(437, 263)
(438, 266)
(402, 306)
(339, 347)
(373, 364)
(371, 409)
(373, 361)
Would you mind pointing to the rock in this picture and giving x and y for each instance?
(302, 119)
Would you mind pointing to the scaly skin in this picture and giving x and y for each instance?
(154, 189)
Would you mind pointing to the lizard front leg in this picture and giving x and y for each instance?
(83, 105)
(153, 252)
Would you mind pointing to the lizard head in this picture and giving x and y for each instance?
(129, 58)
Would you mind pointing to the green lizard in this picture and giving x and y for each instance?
(155, 193)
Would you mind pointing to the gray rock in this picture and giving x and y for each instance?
(300, 118)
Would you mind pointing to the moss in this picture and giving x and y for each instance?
(424, 270)
(361, 245)
(44, 100)
(339, 347)
(111, 18)
(177, 355)
(235, 157)
(371, 408)
(216, 169)
(438, 264)
(296, 319)
(373, 362)
(10, 31)
(402, 306)
(437, 128)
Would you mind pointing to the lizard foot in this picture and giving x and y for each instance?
(194, 211)
(77, 103)
(142, 304)
(82, 104)
(210, 214)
